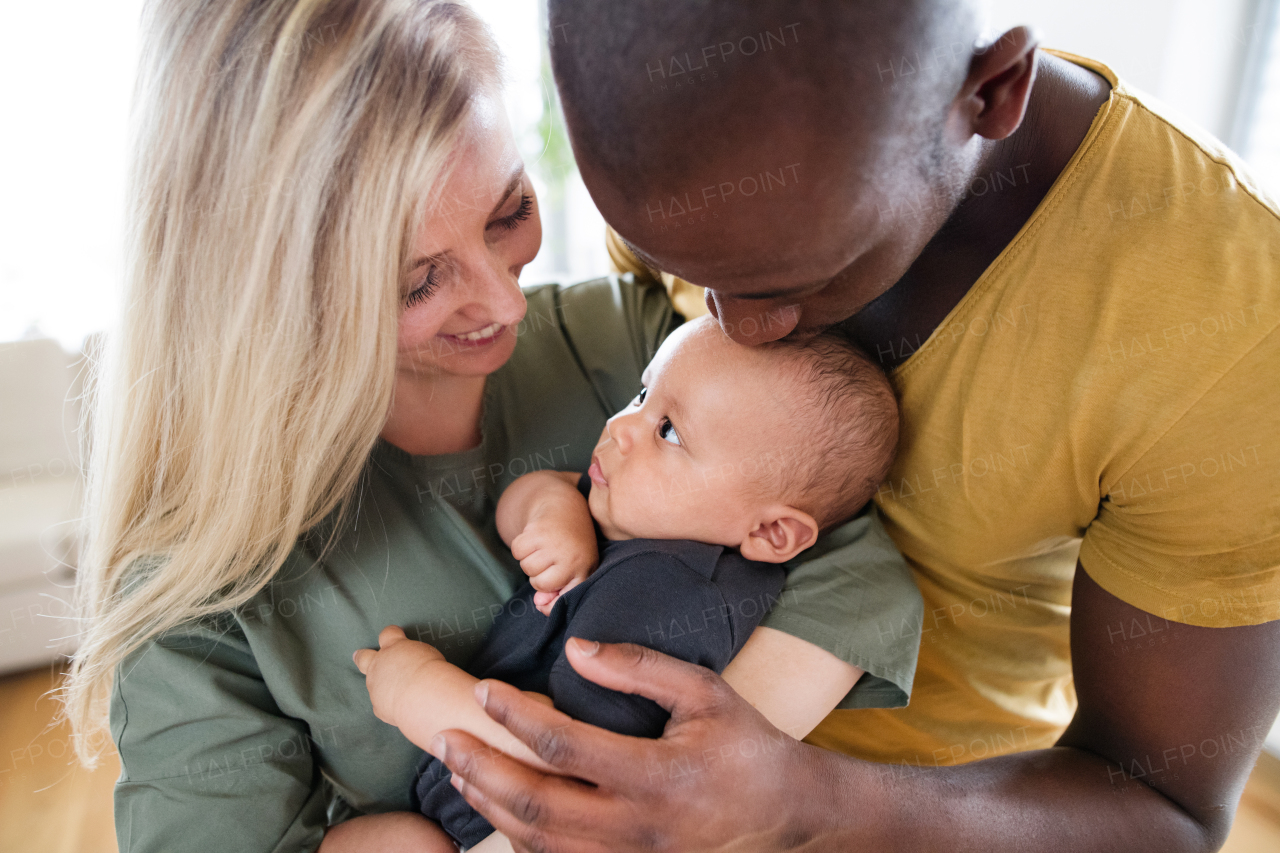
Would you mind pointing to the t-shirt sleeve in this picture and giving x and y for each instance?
(208, 762)
(1191, 532)
(655, 601)
(853, 594)
(687, 298)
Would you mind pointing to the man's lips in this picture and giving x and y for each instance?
(596, 474)
(477, 338)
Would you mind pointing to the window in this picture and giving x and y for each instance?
(1257, 131)
(64, 150)
(572, 229)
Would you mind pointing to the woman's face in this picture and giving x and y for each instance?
(463, 298)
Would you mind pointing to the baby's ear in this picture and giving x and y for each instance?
(781, 534)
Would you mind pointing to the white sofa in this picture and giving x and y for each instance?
(40, 493)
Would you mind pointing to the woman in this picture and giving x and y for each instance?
(325, 375)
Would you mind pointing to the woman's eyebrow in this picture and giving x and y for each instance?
(516, 178)
(429, 259)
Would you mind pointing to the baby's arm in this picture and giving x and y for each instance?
(416, 690)
(794, 683)
(545, 521)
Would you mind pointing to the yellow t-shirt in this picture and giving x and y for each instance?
(1109, 389)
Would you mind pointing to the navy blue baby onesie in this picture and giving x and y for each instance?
(690, 600)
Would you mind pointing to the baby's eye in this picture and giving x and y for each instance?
(667, 431)
(640, 397)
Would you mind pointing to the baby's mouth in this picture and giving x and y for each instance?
(596, 473)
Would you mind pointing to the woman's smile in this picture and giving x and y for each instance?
(481, 337)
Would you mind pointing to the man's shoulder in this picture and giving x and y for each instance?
(1163, 165)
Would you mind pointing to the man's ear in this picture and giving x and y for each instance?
(993, 99)
(781, 534)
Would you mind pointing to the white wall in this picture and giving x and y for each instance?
(1186, 52)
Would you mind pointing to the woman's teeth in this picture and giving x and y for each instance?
(480, 334)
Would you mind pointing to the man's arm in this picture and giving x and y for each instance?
(1155, 759)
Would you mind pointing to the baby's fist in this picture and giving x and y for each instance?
(557, 554)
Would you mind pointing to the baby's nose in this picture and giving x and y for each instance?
(621, 429)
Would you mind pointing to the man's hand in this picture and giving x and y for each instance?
(557, 550)
(685, 791)
(391, 671)
(1155, 760)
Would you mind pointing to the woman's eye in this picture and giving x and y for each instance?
(667, 431)
(423, 292)
(639, 400)
(523, 212)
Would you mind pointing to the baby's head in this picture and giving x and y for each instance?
(756, 448)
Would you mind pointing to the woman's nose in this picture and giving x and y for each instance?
(502, 297)
(752, 322)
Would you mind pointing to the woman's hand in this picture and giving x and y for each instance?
(392, 670)
(720, 776)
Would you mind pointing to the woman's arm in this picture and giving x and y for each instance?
(208, 761)
(794, 683)
(416, 690)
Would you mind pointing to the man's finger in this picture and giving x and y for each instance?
(573, 748)
(516, 798)
(684, 689)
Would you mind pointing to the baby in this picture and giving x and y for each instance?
(730, 462)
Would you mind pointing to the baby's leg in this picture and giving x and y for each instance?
(496, 843)
(393, 832)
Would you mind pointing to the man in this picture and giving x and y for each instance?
(1079, 300)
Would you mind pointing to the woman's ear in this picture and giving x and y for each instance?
(783, 532)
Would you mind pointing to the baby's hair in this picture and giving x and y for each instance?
(850, 426)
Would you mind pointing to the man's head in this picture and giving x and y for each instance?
(755, 448)
(792, 156)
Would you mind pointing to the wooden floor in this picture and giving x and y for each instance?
(49, 804)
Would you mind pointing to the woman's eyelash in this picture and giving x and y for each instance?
(424, 291)
(428, 287)
(522, 213)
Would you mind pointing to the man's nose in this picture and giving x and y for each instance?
(752, 322)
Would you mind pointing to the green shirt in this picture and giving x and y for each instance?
(253, 731)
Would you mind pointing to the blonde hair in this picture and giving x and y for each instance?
(285, 151)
